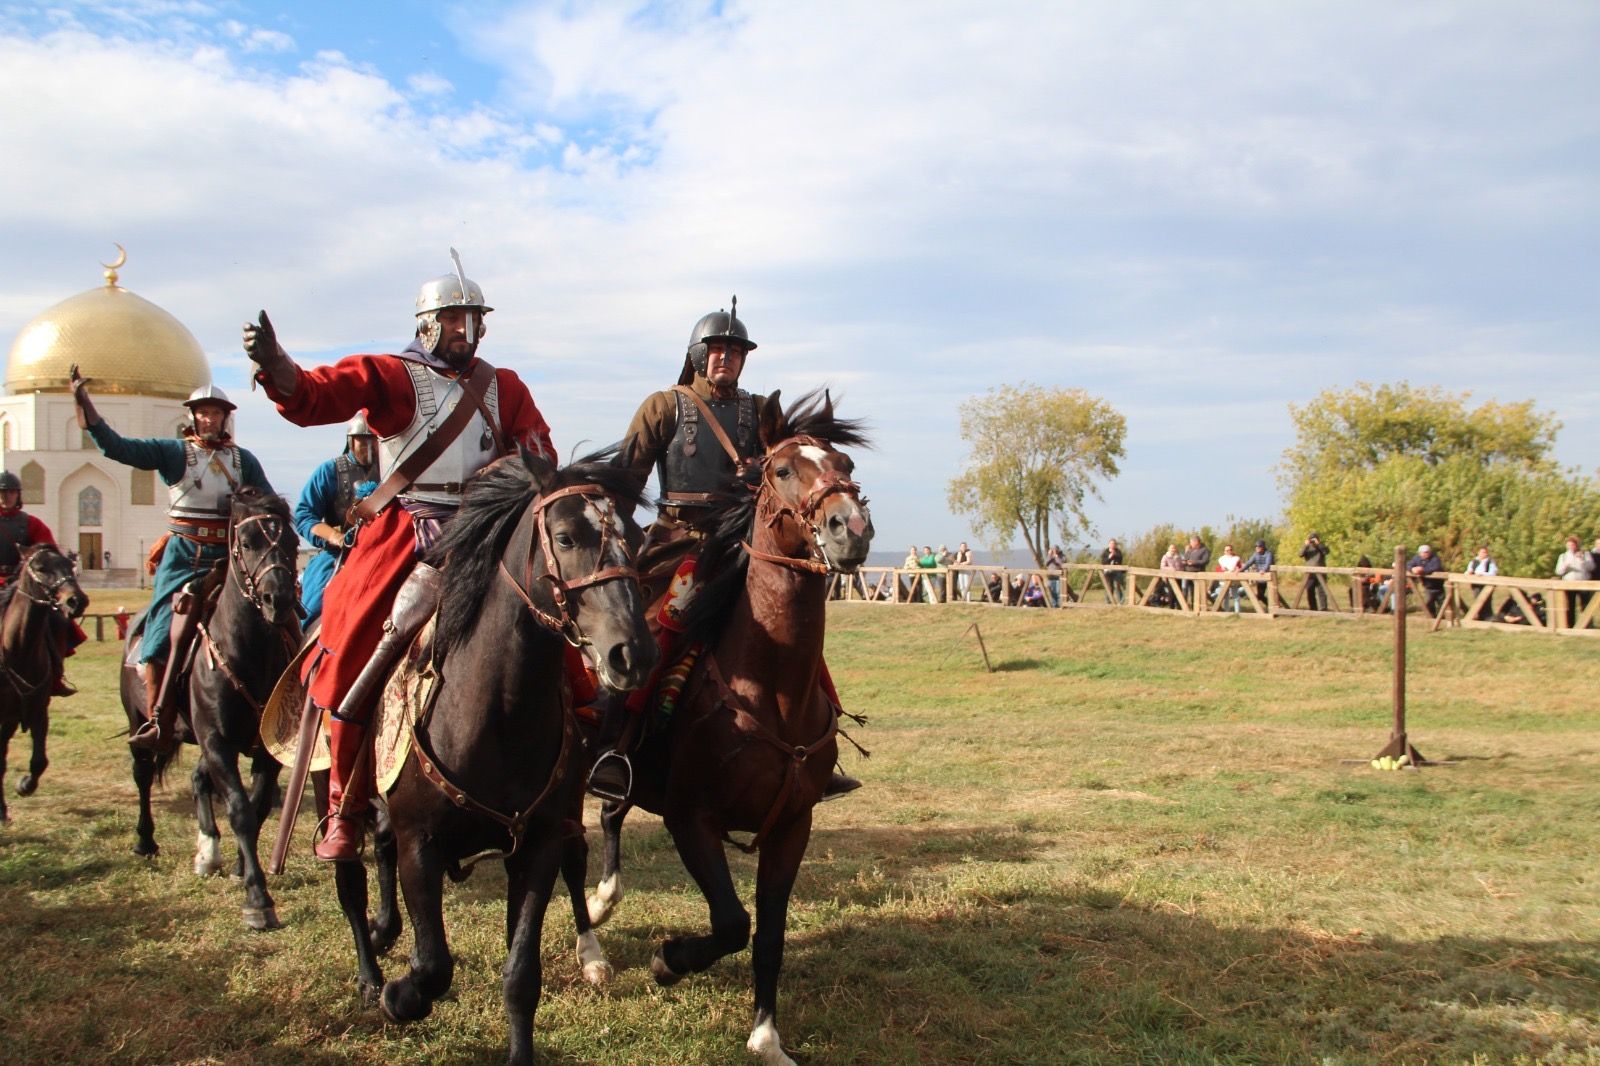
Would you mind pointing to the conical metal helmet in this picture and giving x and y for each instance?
(10, 482)
(358, 426)
(209, 394)
(721, 326)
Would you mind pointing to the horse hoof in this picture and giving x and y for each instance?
(262, 919)
(28, 785)
(765, 1045)
(402, 1003)
(664, 975)
(383, 939)
(599, 973)
(146, 849)
(370, 992)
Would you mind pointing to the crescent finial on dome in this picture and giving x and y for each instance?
(111, 268)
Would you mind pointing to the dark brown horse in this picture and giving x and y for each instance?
(30, 610)
(240, 650)
(751, 744)
(535, 559)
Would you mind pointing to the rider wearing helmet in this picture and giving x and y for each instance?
(383, 594)
(324, 508)
(697, 436)
(202, 472)
(19, 530)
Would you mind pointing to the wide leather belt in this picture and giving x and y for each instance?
(689, 497)
(203, 532)
(454, 488)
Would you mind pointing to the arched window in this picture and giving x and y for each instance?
(32, 475)
(89, 501)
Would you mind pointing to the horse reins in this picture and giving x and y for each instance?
(249, 579)
(562, 621)
(50, 601)
(827, 484)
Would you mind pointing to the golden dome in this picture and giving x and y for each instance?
(125, 343)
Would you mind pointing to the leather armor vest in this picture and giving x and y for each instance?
(695, 462)
(347, 475)
(471, 451)
(204, 493)
(13, 535)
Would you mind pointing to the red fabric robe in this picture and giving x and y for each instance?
(359, 597)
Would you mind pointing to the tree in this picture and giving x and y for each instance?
(1377, 466)
(1036, 455)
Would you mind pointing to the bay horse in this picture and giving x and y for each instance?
(750, 746)
(238, 653)
(30, 606)
(535, 559)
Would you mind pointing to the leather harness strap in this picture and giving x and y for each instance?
(473, 386)
(711, 420)
(753, 726)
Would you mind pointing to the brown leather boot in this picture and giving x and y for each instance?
(839, 784)
(346, 825)
(155, 732)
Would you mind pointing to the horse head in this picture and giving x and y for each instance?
(582, 557)
(805, 479)
(262, 547)
(43, 574)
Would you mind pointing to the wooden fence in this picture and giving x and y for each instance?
(1568, 608)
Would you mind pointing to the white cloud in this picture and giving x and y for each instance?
(1200, 213)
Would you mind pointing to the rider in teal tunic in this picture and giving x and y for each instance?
(202, 471)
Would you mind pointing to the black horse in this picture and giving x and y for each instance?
(244, 642)
(30, 612)
(536, 558)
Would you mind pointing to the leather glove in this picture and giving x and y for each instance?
(261, 345)
(87, 415)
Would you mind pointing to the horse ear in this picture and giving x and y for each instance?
(770, 419)
(541, 471)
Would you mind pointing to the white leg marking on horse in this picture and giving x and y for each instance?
(207, 854)
(592, 960)
(607, 894)
(765, 1045)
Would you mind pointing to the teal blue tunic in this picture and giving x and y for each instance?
(182, 559)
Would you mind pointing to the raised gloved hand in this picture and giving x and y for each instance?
(261, 345)
(87, 415)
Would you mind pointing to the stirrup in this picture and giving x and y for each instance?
(149, 736)
(603, 784)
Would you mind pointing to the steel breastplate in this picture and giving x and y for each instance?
(472, 450)
(204, 492)
(695, 461)
(347, 475)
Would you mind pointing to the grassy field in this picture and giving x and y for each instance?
(1134, 842)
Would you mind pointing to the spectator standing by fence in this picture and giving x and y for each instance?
(1424, 566)
(1228, 563)
(963, 562)
(1115, 580)
(929, 560)
(1166, 595)
(1482, 565)
(1315, 553)
(1575, 564)
(1054, 561)
(1196, 560)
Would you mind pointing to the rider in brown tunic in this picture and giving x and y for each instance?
(695, 448)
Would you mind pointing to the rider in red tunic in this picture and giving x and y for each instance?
(382, 590)
(18, 530)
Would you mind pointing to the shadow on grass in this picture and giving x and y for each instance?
(1014, 666)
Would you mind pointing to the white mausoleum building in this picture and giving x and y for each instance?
(142, 363)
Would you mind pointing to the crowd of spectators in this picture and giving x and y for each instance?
(1371, 591)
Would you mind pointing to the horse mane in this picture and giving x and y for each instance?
(250, 500)
(474, 540)
(733, 511)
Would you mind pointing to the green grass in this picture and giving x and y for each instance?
(1134, 842)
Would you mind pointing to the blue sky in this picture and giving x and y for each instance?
(1200, 212)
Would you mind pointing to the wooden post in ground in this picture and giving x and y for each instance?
(1398, 745)
(979, 634)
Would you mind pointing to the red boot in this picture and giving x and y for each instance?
(349, 784)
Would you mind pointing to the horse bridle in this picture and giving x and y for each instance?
(50, 601)
(271, 559)
(828, 483)
(562, 620)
